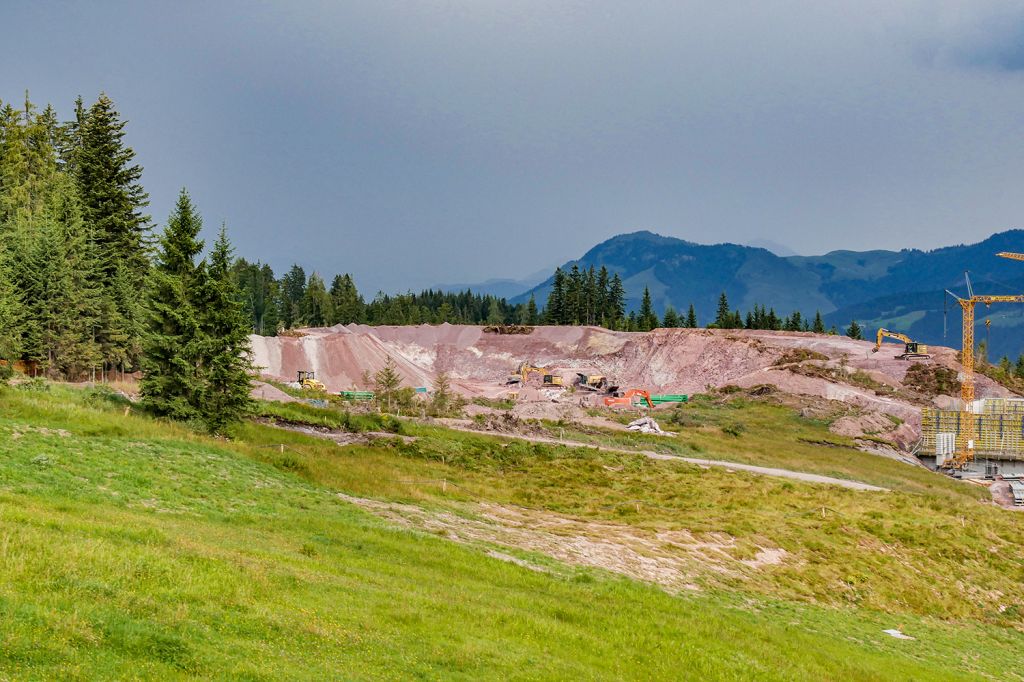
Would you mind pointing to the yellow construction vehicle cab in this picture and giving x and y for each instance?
(309, 382)
(523, 372)
(553, 380)
(594, 382)
(911, 348)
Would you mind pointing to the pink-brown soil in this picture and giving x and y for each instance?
(662, 361)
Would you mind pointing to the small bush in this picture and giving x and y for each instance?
(735, 429)
(798, 355)
(35, 385)
(102, 394)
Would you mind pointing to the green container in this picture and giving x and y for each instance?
(669, 398)
(357, 395)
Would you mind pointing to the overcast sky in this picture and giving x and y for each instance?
(418, 142)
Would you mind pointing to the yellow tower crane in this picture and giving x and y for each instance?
(965, 448)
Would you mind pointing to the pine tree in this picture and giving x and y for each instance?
(172, 379)
(646, 319)
(532, 318)
(9, 307)
(601, 300)
(723, 318)
(386, 383)
(113, 203)
(555, 310)
(616, 311)
(347, 305)
(494, 314)
(574, 304)
(671, 318)
(316, 303)
(224, 331)
(691, 318)
(854, 331)
(293, 291)
(1018, 369)
(444, 402)
(590, 297)
(819, 324)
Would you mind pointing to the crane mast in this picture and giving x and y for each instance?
(965, 446)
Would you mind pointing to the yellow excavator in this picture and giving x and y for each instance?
(911, 349)
(309, 382)
(522, 376)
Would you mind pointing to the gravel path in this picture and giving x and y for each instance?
(765, 471)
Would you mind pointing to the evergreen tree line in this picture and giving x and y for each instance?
(272, 304)
(84, 290)
(73, 241)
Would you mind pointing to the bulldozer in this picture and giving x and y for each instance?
(307, 381)
(911, 349)
(626, 399)
(594, 382)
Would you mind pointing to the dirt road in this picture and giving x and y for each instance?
(764, 471)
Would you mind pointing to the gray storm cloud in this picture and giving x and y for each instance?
(412, 143)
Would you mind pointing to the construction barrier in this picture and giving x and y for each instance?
(996, 434)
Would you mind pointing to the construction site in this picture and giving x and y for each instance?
(941, 413)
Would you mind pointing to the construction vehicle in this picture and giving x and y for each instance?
(522, 374)
(626, 399)
(911, 349)
(594, 382)
(307, 381)
(524, 371)
(965, 440)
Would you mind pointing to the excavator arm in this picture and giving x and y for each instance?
(885, 333)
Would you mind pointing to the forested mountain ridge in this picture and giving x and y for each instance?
(903, 289)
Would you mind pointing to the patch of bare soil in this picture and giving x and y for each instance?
(264, 391)
(932, 380)
(675, 560)
(337, 436)
(507, 422)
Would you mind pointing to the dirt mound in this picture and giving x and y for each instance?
(264, 391)
(662, 361)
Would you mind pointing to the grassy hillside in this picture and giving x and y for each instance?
(131, 548)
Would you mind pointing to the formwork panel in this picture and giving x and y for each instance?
(996, 434)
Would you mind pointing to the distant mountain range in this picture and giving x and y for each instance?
(502, 288)
(901, 290)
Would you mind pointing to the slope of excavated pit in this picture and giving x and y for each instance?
(664, 361)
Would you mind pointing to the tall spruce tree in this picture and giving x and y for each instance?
(346, 303)
(293, 291)
(602, 295)
(854, 331)
(616, 310)
(172, 382)
(723, 318)
(819, 324)
(671, 318)
(554, 312)
(691, 317)
(113, 203)
(646, 319)
(10, 349)
(316, 303)
(224, 332)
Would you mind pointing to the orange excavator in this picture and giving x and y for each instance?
(626, 399)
